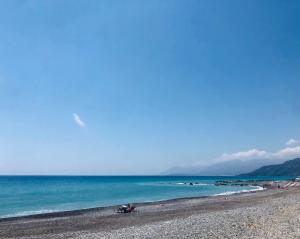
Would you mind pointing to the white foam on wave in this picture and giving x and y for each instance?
(256, 188)
(27, 213)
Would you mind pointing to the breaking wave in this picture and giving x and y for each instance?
(257, 188)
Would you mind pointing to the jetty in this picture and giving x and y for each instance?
(268, 184)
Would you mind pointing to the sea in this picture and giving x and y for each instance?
(28, 195)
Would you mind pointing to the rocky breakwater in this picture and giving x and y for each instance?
(268, 184)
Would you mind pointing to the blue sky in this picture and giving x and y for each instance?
(136, 87)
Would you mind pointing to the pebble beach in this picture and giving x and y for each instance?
(262, 214)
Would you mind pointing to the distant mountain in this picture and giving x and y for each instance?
(228, 168)
(288, 168)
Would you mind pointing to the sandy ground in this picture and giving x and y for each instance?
(265, 214)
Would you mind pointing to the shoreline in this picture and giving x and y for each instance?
(113, 207)
(106, 223)
(182, 217)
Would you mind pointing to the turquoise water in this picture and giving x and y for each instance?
(25, 195)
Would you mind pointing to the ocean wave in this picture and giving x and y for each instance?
(256, 188)
(27, 213)
(174, 184)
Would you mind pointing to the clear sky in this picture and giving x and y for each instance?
(136, 87)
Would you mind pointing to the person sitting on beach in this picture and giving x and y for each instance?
(126, 208)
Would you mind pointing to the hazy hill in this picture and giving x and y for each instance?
(228, 168)
(288, 168)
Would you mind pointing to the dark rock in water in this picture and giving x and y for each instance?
(268, 184)
(244, 183)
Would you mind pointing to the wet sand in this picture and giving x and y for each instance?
(262, 214)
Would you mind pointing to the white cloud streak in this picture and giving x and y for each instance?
(78, 121)
(285, 153)
(249, 154)
(288, 153)
(292, 142)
